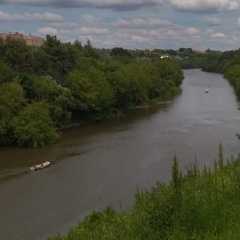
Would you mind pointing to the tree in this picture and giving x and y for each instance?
(12, 100)
(169, 70)
(6, 73)
(233, 75)
(119, 51)
(92, 93)
(33, 127)
(17, 55)
(41, 62)
(59, 98)
(89, 51)
(131, 84)
(59, 57)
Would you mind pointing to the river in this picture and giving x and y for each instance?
(101, 164)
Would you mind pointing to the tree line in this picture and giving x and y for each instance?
(226, 63)
(43, 89)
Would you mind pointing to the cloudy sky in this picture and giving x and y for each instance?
(131, 24)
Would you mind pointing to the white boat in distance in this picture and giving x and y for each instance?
(206, 90)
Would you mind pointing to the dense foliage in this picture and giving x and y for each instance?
(189, 59)
(186, 57)
(227, 63)
(43, 89)
(202, 204)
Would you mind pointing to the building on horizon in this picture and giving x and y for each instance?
(30, 40)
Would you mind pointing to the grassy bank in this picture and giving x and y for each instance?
(203, 204)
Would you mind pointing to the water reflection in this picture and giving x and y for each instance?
(73, 142)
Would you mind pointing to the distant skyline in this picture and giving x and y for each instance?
(131, 24)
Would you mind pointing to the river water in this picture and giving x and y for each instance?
(103, 164)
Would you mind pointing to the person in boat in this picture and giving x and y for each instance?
(44, 163)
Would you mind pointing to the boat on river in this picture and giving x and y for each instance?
(206, 90)
(40, 165)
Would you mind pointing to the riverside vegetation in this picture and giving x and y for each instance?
(202, 204)
(226, 63)
(44, 89)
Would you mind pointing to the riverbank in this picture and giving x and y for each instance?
(203, 204)
(122, 113)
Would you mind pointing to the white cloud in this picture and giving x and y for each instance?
(142, 23)
(48, 30)
(218, 35)
(192, 31)
(212, 21)
(63, 25)
(136, 38)
(89, 19)
(206, 6)
(208, 31)
(87, 31)
(27, 17)
(139, 32)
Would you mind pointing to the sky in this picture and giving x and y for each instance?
(130, 24)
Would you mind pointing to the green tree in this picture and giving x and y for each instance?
(41, 62)
(89, 51)
(233, 75)
(12, 100)
(91, 91)
(121, 84)
(33, 127)
(17, 55)
(59, 98)
(169, 70)
(119, 51)
(131, 83)
(6, 73)
(60, 58)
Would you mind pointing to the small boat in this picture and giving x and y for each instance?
(40, 166)
(206, 90)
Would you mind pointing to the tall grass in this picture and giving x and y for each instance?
(203, 204)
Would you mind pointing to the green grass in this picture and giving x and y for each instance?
(201, 205)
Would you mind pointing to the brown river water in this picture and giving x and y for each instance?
(101, 164)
